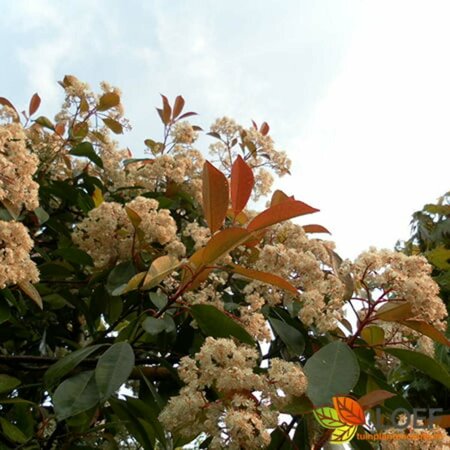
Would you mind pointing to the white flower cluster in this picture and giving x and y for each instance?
(107, 234)
(182, 166)
(289, 253)
(241, 414)
(405, 278)
(183, 133)
(262, 154)
(15, 263)
(17, 166)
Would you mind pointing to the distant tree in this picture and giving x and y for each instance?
(144, 304)
(430, 237)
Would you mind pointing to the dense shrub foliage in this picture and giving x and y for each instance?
(143, 304)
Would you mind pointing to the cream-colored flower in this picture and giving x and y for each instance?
(17, 166)
(15, 247)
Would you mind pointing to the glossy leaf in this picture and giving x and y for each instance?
(166, 111)
(298, 406)
(8, 383)
(113, 369)
(423, 363)
(350, 411)
(12, 432)
(119, 277)
(375, 398)
(97, 196)
(242, 182)
(265, 277)
(222, 243)
(31, 291)
(86, 150)
(159, 269)
(178, 106)
(315, 229)
(217, 324)
(68, 363)
(333, 370)
(291, 337)
(280, 213)
(5, 102)
(115, 126)
(107, 101)
(264, 129)
(374, 336)
(215, 194)
(34, 104)
(427, 329)
(279, 197)
(155, 326)
(75, 395)
(394, 312)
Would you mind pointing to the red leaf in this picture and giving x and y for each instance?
(427, 329)
(265, 277)
(242, 182)
(34, 104)
(188, 114)
(315, 229)
(279, 197)
(178, 106)
(222, 243)
(166, 111)
(374, 398)
(264, 129)
(4, 101)
(215, 196)
(279, 213)
(349, 410)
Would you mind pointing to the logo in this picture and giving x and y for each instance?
(348, 414)
(343, 419)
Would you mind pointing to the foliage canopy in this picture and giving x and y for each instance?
(144, 304)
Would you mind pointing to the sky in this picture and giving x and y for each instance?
(356, 92)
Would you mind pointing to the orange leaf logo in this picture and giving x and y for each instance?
(349, 410)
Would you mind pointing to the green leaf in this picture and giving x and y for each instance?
(67, 364)
(158, 299)
(5, 312)
(41, 214)
(75, 395)
(217, 324)
(292, 338)
(333, 370)
(45, 122)
(119, 276)
(423, 363)
(86, 150)
(155, 326)
(74, 255)
(439, 257)
(298, 406)
(12, 432)
(140, 430)
(113, 368)
(8, 383)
